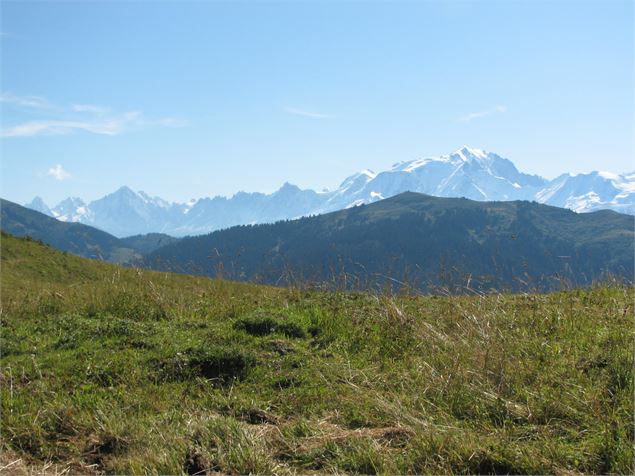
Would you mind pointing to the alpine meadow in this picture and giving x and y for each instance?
(131, 372)
(244, 238)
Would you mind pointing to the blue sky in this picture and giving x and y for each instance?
(196, 99)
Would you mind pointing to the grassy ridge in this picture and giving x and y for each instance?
(117, 370)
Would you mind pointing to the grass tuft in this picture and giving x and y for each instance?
(261, 326)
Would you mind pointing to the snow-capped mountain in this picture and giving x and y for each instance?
(38, 205)
(589, 192)
(125, 213)
(208, 214)
(71, 209)
(467, 172)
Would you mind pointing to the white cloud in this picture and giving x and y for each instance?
(479, 114)
(32, 102)
(58, 173)
(78, 118)
(305, 113)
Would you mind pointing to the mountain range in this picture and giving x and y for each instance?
(77, 238)
(420, 240)
(467, 172)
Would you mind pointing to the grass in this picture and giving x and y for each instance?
(111, 370)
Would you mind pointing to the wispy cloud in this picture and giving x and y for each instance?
(305, 113)
(78, 118)
(479, 114)
(58, 173)
(31, 102)
(110, 126)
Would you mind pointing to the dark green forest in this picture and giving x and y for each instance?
(418, 241)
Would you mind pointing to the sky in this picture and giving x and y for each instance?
(191, 99)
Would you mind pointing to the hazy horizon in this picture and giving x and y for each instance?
(153, 193)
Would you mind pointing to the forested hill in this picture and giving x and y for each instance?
(420, 239)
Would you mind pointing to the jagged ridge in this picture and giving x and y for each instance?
(467, 172)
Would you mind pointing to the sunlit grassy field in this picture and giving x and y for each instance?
(113, 370)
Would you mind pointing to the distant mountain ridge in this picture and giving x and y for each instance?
(421, 240)
(467, 172)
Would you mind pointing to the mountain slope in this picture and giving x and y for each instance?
(145, 244)
(467, 172)
(107, 370)
(38, 205)
(76, 238)
(423, 239)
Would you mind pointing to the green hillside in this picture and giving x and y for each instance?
(425, 241)
(113, 370)
(76, 238)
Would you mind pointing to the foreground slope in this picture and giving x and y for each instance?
(114, 370)
(422, 239)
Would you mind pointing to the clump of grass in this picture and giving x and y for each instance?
(225, 445)
(134, 307)
(222, 364)
(100, 447)
(264, 325)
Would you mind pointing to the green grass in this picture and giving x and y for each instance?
(116, 370)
